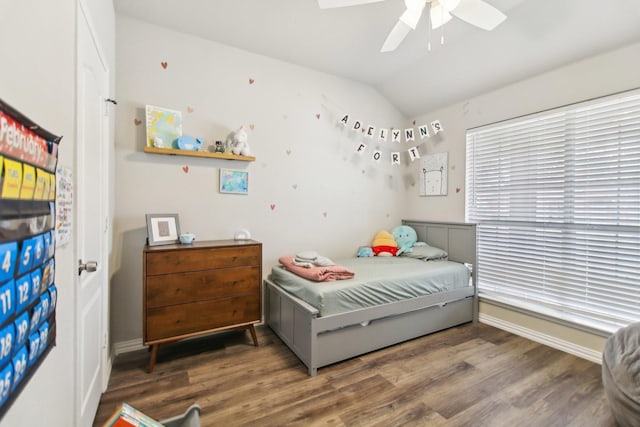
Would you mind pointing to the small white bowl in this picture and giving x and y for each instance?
(187, 238)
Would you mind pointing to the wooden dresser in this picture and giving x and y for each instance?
(200, 288)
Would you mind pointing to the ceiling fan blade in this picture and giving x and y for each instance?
(329, 4)
(412, 14)
(395, 37)
(479, 13)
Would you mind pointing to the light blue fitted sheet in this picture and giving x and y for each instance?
(378, 280)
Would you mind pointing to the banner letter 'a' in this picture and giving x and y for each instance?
(344, 120)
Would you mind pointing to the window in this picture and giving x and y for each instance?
(556, 196)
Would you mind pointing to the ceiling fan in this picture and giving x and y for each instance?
(475, 12)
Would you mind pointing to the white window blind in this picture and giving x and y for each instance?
(556, 196)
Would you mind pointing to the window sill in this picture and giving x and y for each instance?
(598, 328)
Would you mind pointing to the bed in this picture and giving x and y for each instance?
(321, 330)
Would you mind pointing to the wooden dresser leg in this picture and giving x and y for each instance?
(252, 330)
(154, 356)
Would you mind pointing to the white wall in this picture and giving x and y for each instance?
(325, 197)
(37, 44)
(601, 75)
(37, 76)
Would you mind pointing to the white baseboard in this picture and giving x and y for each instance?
(127, 346)
(557, 343)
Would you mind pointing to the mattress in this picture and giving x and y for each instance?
(377, 280)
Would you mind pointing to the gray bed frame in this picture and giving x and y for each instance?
(320, 341)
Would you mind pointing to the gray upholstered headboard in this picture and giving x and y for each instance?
(457, 238)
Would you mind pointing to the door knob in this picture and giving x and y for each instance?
(89, 266)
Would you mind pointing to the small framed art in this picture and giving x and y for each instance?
(234, 181)
(162, 229)
(433, 174)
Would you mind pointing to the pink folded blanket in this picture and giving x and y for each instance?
(328, 273)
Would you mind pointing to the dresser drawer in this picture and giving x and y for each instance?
(169, 289)
(184, 319)
(184, 260)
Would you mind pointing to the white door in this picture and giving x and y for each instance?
(91, 221)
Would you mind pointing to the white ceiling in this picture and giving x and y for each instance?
(538, 35)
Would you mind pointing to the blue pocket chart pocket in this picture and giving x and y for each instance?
(22, 329)
(36, 316)
(36, 285)
(23, 292)
(7, 341)
(34, 347)
(27, 253)
(53, 294)
(8, 257)
(19, 366)
(6, 377)
(45, 301)
(44, 337)
(38, 251)
(7, 300)
(46, 239)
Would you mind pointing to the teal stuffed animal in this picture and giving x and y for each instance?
(365, 251)
(406, 237)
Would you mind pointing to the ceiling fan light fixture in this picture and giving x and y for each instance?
(439, 16)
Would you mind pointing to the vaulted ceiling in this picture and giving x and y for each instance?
(538, 35)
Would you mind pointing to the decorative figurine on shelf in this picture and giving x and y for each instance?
(219, 147)
(189, 143)
(157, 142)
(237, 143)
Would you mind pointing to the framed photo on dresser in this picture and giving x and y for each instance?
(163, 229)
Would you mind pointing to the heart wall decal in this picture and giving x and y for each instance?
(272, 206)
(164, 64)
(137, 122)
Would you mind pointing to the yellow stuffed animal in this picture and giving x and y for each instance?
(384, 244)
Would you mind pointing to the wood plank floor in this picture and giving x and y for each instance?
(471, 375)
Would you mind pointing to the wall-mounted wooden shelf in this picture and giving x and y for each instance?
(175, 152)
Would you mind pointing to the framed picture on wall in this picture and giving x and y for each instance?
(234, 181)
(162, 229)
(164, 126)
(433, 174)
